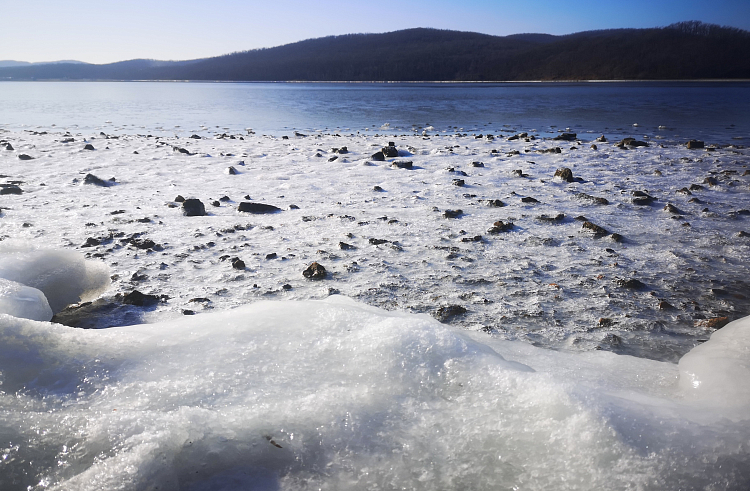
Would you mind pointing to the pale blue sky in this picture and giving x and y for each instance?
(101, 31)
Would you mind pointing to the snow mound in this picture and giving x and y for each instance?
(63, 277)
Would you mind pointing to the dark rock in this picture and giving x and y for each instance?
(632, 283)
(238, 263)
(10, 189)
(564, 174)
(517, 173)
(193, 208)
(140, 299)
(91, 242)
(225, 198)
(379, 156)
(8, 146)
(377, 188)
(617, 238)
(97, 181)
(390, 151)
(179, 199)
(595, 229)
(494, 203)
(195, 137)
(602, 139)
(696, 187)
(631, 142)
(476, 238)
(555, 219)
(257, 208)
(566, 137)
(215, 204)
(711, 181)
(664, 305)
(346, 247)
(459, 182)
(713, 323)
(315, 271)
(402, 164)
(182, 150)
(642, 199)
(232, 171)
(693, 144)
(444, 313)
(499, 227)
(23, 156)
(593, 199)
(333, 158)
(89, 146)
(529, 199)
(375, 241)
(594, 147)
(742, 233)
(673, 209)
(452, 213)
(606, 322)
(477, 164)
(684, 191)
(272, 255)
(293, 207)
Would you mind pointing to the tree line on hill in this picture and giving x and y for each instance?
(684, 51)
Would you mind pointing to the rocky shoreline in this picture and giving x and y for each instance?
(635, 246)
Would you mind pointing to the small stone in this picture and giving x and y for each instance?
(179, 199)
(452, 213)
(529, 199)
(257, 208)
(232, 171)
(499, 227)
(566, 137)
(632, 283)
(377, 188)
(238, 263)
(444, 313)
(564, 174)
(97, 181)
(89, 146)
(140, 299)
(10, 189)
(713, 323)
(402, 164)
(315, 271)
(23, 156)
(379, 156)
(494, 203)
(193, 208)
(693, 144)
(91, 242)
(459, 182)
(346, 247)
(595, 229)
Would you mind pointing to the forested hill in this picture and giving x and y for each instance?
(688, 51)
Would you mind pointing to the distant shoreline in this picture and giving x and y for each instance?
(410, 82)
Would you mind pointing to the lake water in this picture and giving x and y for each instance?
(715, 112)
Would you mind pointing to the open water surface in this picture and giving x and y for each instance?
(718, 112)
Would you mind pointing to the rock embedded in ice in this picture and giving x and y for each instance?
(564, 174)
(140, 299)
(402, 164)
(449, 311)
(10, 189)
(596, 230)
(193, 207)
(389, 151)
(693, 144)
(24, 156)
(315, 271)
(231, 171)
(257, 208)
(23, 301)
(89, 146)
(566, 137)
(97, 181)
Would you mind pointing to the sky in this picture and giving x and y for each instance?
(105, 31)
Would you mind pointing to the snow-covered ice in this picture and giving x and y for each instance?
(316, 390)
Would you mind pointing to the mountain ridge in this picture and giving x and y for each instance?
(684, 51)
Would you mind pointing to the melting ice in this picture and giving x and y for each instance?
(334, 394)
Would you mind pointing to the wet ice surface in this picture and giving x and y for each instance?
(550, 283)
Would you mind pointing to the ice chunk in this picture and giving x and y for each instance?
(718, 371)
(64, 277)
(338, 395)
(23, 301)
